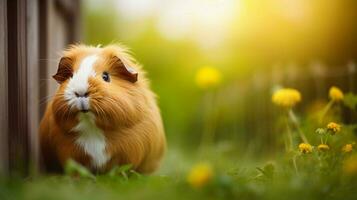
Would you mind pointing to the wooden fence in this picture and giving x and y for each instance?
(32, 33)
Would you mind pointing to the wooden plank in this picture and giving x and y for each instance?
(56, 22)
(70, 11)
(59, 27)
(3, 90)
(17, 87)
(43, 54)
(57, 40)
(33, 81)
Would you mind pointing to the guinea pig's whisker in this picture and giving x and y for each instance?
(61, 106)
(112, 109)
(48, 59)
(98, 113)
(111, 102)
(104, 113)
(101, 111)
(49, 97)
(45, 99)
(96, 110)
(101, 114)
(70, 110)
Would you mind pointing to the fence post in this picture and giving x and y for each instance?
(3, 90)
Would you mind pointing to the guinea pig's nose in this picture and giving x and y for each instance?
(81, 94)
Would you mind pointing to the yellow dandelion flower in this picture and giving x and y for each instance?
(305, 148)
(200, 175)
(347, 148)
(333, 127)
(208, 77)
(323, 147)
(335, 93)
(286, 97)
(350, 166)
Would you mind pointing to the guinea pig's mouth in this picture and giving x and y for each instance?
(83, 104)
(84, 110)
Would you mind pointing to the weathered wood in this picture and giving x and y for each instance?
(43, 24)
(70, 12)
(17, 87)
(32, 33)
(33, 81)
(3, 90)
(60, 26)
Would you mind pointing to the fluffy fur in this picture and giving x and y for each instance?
(123, 123)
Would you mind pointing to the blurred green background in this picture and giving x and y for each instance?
(255, 45)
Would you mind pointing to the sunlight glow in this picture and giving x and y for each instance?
(206, 22)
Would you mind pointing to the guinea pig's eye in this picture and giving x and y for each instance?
(106, 77)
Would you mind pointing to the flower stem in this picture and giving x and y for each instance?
(325, 110)
(289, 135)
(326, 138)
(209, 121)
(296, 123)
(295, 165)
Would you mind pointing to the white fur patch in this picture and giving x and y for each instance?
(91, 139)
(79, 83)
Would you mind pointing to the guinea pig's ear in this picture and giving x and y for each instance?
(128, 73)
(64, 70)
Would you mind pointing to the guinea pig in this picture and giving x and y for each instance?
(103, 113)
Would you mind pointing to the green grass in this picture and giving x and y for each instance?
(234, 172)
(233, 178)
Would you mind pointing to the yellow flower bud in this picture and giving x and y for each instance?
(347, 148)
(208, 77)
(323, 147)
(305, 148)
(336, 94)
(333, 127)
(286, 97)
(200, 175)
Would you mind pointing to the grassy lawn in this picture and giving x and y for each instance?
(246, 184)
(221, 179)
(318, 162)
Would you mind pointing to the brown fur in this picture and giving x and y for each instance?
(126, 112)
